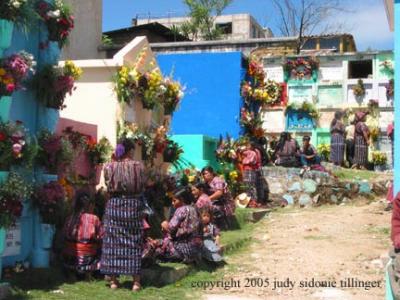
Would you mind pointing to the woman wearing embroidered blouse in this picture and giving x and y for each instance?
(123, 226)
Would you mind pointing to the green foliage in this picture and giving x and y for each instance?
(106, 40)
(100, 153)
(202, 15)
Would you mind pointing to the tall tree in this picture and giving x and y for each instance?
(303, 18)
(202, 15)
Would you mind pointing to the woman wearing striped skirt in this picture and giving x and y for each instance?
(361, 140)
(337, 139)
(123, 226)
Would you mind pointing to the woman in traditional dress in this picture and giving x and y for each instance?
(123, 220)
(220, 197)
(250, 168)
(361, 140)
(287, 151)
(337, 139)
(199, 192)
(82, 237)
(184, 228)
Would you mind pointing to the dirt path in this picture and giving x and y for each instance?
(330, 244)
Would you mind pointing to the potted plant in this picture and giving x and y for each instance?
(13, 191)
(379, 160)
(99, 153)
(59, 23)
(324, 150)
(54, 152)
(11, 12)
(13, 71)
(48, 200)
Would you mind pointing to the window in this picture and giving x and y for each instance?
(226, 28)
(310, 44)
(360, 69)
(329, 43)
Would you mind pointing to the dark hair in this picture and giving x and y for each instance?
(184, 194)
(127, 145)
(336, 118)
(208, 169)
(82, 201)
(206, 210)
(285, 136)
(201, 186)
(306, 138)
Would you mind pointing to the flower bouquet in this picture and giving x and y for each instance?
(324, 150)
(256, 71)
(13, 71)
(58, 19)
(379, 158)
(52, 85)
(49, 199)
(359, 89)
(15, 146)
(306, 107)
(300, 67)
(160, 139)
(12, 192)
(54, 151)
(99, 153)
(172, 152)
(172, 95)
(226, 150)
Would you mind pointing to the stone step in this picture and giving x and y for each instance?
(256, 215)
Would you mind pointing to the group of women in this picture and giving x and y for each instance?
(353, 140)
(115, 246)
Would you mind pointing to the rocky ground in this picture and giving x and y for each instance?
(328, 244)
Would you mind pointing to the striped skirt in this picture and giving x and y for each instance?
(123, 237)
(337, 148)
(250, 178)
(360, 151)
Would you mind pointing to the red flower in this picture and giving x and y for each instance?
(3, 137)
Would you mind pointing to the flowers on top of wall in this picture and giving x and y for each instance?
(58, 19)
(52, 84)
(16, 146)
(305, 106)
(359, 89)
(150, 88)
(13, 71)
(300, 67)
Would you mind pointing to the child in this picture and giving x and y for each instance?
(83, 234)
(211, 247)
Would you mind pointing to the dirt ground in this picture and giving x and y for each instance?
(329, 244)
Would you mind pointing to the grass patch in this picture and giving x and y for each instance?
(349, 174)
(379, 230)
(52, 284)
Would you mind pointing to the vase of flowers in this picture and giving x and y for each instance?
(172, 95)
(379, 160)
(13, 191)
(48, 200)
(54, 152)
(13, 71)
(11, 12)
(51, 86)
(59, 22)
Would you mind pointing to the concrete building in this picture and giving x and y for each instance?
(86, 37)
(234, 27)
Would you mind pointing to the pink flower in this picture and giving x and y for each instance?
(10, 87)
(17, 148)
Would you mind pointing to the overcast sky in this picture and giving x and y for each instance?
(365, 19)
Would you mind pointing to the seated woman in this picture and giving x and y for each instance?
(182, 240)
(308, 154)
(199, 192)
(83, 233)
(224, 207)
(287, 151)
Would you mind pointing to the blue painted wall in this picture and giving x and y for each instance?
(397, 97)
(212, 101)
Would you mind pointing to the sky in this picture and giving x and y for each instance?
(365, 19)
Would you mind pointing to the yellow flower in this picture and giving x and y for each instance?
(191, 178)
(2, 72)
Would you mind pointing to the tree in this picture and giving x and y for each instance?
(202, 15)
(303, 18)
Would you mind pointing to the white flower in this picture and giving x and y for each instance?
(54, 13)
(16, 4)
